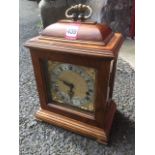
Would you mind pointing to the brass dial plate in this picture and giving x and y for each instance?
(72, 85)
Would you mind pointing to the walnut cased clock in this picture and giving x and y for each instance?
(74, 63)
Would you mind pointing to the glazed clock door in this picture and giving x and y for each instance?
(72, 85)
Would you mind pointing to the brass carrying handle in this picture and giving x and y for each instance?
(79, 12)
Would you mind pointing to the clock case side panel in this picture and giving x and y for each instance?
(113, 71)
(102, 66)
(102, 91)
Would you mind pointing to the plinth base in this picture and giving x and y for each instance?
(101, 135)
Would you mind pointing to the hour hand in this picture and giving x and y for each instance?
(67, 84)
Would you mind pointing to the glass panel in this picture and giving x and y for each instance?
(72, 85)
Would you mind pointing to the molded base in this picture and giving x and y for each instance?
(101, 135)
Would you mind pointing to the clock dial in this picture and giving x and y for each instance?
(73, 85)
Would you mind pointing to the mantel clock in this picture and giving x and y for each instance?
(74, 62)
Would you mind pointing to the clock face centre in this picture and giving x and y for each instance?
(67, 82)
(73, 85)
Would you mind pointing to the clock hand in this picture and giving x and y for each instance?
(71, 93)
(71, 86)
(67, 83)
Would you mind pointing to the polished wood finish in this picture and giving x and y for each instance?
(88, 32)
(101, 135)
(100, 54)
(72, 47)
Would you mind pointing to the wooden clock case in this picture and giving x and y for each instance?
(96, 46)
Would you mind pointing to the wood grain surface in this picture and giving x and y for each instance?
(98, 51)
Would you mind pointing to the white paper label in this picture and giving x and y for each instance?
(72, 31)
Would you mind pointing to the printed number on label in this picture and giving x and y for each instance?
(72, 31)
